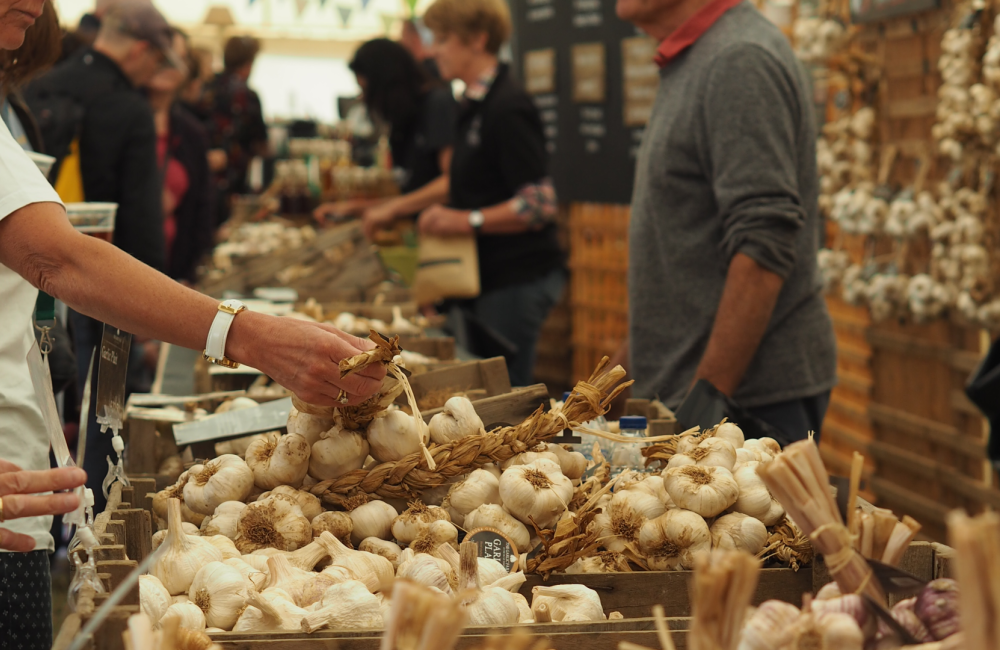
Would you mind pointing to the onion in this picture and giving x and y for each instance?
(937, 608)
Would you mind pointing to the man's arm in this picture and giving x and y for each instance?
(99, 280)
(748, 299)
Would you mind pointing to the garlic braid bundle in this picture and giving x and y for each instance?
(483, 606)
(955, 123)
(183, 556)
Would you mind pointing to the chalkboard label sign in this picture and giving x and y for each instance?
(870, 11)
(540, 71)
(494, 545)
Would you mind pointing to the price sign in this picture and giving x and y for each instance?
(540, 71)
(111, 375)
(588, 73)
(495, 545)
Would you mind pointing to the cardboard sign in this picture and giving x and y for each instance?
(495, 545)
(589, 61)
(111, 374)
(540, 71)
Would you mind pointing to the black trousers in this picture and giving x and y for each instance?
(25, 601)
(797, 417)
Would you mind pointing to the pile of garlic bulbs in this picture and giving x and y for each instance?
(817, 39)
(257, 239)
(956, 124)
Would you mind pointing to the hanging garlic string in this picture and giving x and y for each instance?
(411, 399)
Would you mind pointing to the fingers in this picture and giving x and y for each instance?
(10, 541)
(50, 480)
(17, 506)
(7, 466)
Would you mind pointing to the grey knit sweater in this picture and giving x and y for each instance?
(728, 165)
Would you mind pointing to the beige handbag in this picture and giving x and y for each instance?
(448, 267)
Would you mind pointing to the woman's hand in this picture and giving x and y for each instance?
(19, 494)
(378, 217)
(304, 357)
(444, 222)
(338, 210)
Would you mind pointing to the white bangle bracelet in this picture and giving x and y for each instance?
(215, 346)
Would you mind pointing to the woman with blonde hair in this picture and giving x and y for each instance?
(500, 189)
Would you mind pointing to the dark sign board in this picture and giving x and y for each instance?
(870, 11)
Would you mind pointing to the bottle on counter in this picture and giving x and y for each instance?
(628, 455)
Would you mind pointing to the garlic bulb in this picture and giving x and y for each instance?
(256, 579)
(434, 535)
(456, 420)
(713, 452)
(731, 433)
(175, 491)
(336, 453)
(394, 435)
(373, 519)
(308, 426)
(852, 605)
(187, 527)
(309, 502)
(307, 557)
(754, 498)
(489, 572)
(572, 463)
(706, 491)
(304, 587)
(671, 540)
(768, 446)
(154, 599)
(183, 556)
(373, 570)
(258, 560)
(527, 457)
(224, 544)
(604, 562)
(348, 605)
(652, 485)
(339, 524)
(376, 546)
(768, 628)
(275, 522)
(525, 615)
(270, 611)
(565, 603)
(188, 616)
(483, 606)
(536, 492)
(414, 520)
(220, 591)
(618, 527)
(223, 520)
(828, 631)
(428, 571)
(279, 461)
(479, 487)
(226, 478)
(494, 516)
(739, 532)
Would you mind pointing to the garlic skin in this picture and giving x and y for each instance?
(565, 603)
(769, 627)
(479, 487)
(395, 435)
(187, 527)
(437, 533)
(536, 492)
(768, 446)
(256, 579)
(308, 426)
(827, 631)
(223, 520)
(494, 516)
(309, 502)
(731, 433)
(188, 615)
(712, 452)
(258, 560)
(339, 524)
(572, 463)
(754, 498)
(226, 478)
(270, 611)
(336, 453)
(348, 605)
(706, 491)
(307, 557)
(490, 606)
(428, 571)
(373, 519)
(774, 514)
(415, 520)
(525, 615)
(175, 491)
(275, 522)
(670, 541)
(389, 550)
(527, 457)
(225, 545)
(374, 571)
(457, 419)
(183, 556)
(154, 599)
(220, 591)
(652, 485)
(739, 532)
(278, 461)
(618, 527)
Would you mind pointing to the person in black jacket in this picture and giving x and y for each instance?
(500, 187)
(182, 151)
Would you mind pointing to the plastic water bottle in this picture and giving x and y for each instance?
(628, 455)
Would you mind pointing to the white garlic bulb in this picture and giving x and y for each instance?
(339, 524)
(175, 491)
(492, 515)
(479, 487)
(225, 545)
(270, 611)
(304, 586)
(713, 452)
(187, 527)
(428, 571)
(278, 461)
(374, 571)
(706, 491)
(739, 532)
(731, 433)
(526, 457)
(223, 520)
(434, 535)
(456, 420)
(188, 615)
(258, 559)
(183, 556)
(220, 591)
(565, 603)
(488, 606)
(670, 541)
(769, 446)
(754, 498)
(154, 599)
(226, 478)
(389, 550)
(572, 463)
(768, 628)
(336, 453)
(414, 520)
(307, 425)
(276, 522)
(826, 631)
(525, 615)
(536, 492)
(395, 434)
(256, 579)
(348, 605)
(618, 527)
(309, 502)
(373, 519)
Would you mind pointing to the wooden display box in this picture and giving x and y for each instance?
(441, 348)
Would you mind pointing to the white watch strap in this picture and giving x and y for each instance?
(215, 347)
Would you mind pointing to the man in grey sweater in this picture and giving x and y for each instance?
(723, 284)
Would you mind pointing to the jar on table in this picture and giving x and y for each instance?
(628, 455)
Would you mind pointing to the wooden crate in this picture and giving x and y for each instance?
(506, 409)
(441, 348)
(478, 379)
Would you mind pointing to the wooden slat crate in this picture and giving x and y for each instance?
(478, 379)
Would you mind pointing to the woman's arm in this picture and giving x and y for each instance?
(99, 280)
(436, 191)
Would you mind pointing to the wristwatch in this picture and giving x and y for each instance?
(215, 347)
(476, 220)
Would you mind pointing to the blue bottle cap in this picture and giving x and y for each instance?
(566, 396)
(632, 422)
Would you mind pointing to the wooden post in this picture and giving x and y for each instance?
(117, 571)
(110, 552)
(127, 496)
(116, 529)
(109, 635)
(141, 488)
(141, 447)
(138, 532)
